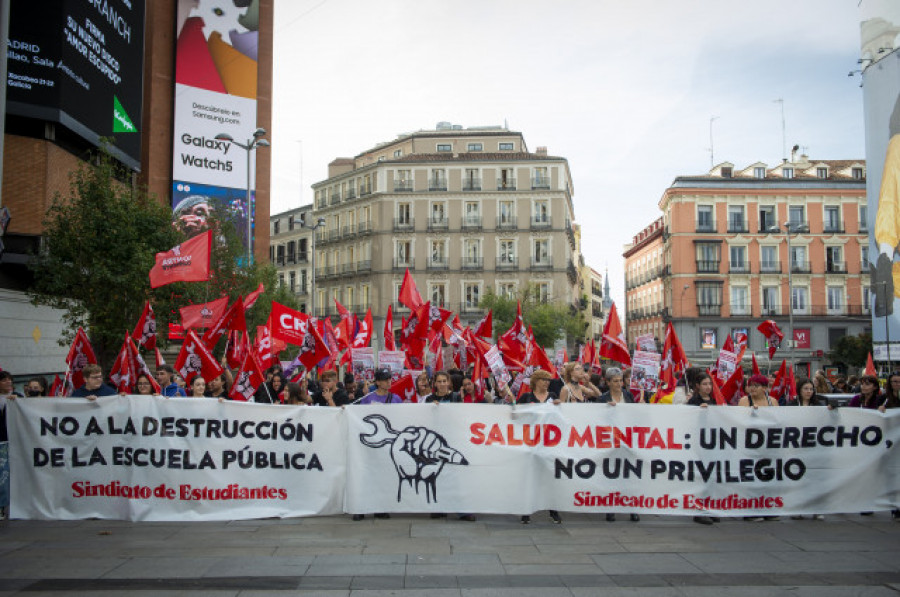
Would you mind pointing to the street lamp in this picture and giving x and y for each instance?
(250, 145)
(789, 229)
(312, 279)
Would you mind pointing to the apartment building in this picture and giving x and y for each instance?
(735, 247)
(466, 210)
(290, 251)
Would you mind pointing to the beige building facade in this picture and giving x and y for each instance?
(290, 251)
(467, 211)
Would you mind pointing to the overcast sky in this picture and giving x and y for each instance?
(625, 90)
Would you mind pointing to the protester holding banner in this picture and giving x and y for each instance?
(93, 386)
(6, 394)
(198, 387)
(293, 394)
(616, 393)
(330, 394)
(891, 392)
(757, 392)
(382, 393)
(143, 387)
(217, 387)
(165, 376)
(423, 387)
(270, 391)
(540, 390)
(442, 389)
(577, 387)
(869, 395)
(36, 386)
(353, 388)
(702, 387)
(807, 395)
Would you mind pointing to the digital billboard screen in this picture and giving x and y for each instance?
(80, 63)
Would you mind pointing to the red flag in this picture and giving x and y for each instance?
(203, 315)
(288, 325)
(237, 348)
(485, 327)
(187, 262)
(791, 384)
(145, 330)
(740, 344)
(405, 387)
(140, 367)
(538, 358)
(313, 349)
(262, 347)
(612, 345)
(122, 373)
(389, 343)
(160, 361)
(674, 352)
(232, 319)
(770, 330)
(409, 294)
(755, 364)
(195, 359)
(439, 360)
(731, 390)
(781, 379)
(250, 299)
(81, 353)
(414, 331)
(57, 387)
(870, 366)
(364, 334)
(716, 392)
(248, 379)
(341, 309)
(514, 340)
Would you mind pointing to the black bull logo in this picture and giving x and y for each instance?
(419, 454)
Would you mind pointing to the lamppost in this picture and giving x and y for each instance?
(789, 229)
(250, 145)
(312, 243)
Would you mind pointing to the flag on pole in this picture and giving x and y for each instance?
(145, 330)
(81, 353)
(187, 262)
(773, 334)
(389, 342)
(409, 294)
(612, 344)
(195, 359)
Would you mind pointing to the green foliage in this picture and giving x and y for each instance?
(851, 351)
(549, 321)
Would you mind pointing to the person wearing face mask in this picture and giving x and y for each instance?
(36, 386)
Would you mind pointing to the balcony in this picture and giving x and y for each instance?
(351, 194)
(302, 290)
(365, 190)
(437, 265)
(335, 199)
(437, 184)
(364, 228)
(437, 225)
(364, 266)
(736, 227)
(541, 264)
(471, 223)
(836, 267)
(303, 258)
(507, 223)
(348, 230)
(833, 228)
(403, 186)
(472, 184)
(348, 268)
(404, 224)
(707, 267)
(469, 307)
(801, 267)
(506, 184)
(572, 272)
(709, 310)
(540, 222)
(705, 227)
(321, 236)
(797, 225)
(771, 311)
(570, 234)
(470, 263)
(740, 309)
(739, 268)
(540, 182)
(280, 259)
(768, 267)
(509, 263)
(399, 265)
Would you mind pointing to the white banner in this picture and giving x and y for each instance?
(189, 459)
(147, 458)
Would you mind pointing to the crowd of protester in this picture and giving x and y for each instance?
(577, 383)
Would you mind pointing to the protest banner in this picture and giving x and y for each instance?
(645, 371)
(393, 360)
(363, 364)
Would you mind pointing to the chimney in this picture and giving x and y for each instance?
(541, 150)
(794, 151)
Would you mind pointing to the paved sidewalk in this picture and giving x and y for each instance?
(414, 555)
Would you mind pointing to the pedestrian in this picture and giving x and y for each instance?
(382, 394)
(6, 394)
(540, 394)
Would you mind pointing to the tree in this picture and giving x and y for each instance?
(851, 351)
(549, 321)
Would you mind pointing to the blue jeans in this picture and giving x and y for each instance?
(4, 474)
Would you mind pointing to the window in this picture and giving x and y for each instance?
(759, 172)
(438, 180)
(403, 180)
(787, 173)
(506, 180)
(438, 213)
(304, 281)
(705, 219)
(832, 218)
(796, 216)
(542, 252)
(281, 279)
(798, 260)
(866, 300)
(857, 173)
(404, 211)
(403, 252)
(505, 147)
(541, 213)
(348, 297)
(507, 214)
(738, 260)
(439, 252)
(863, 218)
(472, 253)
(709, 298)
(822, 172)
(292, 252)
(472, 294)
(800, 300)
(279, 252)
(768, 259)
(472, 180)
(506, 289)
(864, 256)
(475, 147)
(835, 334)
(707, 257)
(398, 153)
(542, 292)
(541, 179)
(770, 300)
(293, 281)
(767, 218)
(444, 147)
(276, 227)
(473, 214)
(835, 297)
(290, 223)
(739, 301)
(364, 296)
(834, 260)
(727, 171)
(736, 218)
(439, 294)
(507, 253)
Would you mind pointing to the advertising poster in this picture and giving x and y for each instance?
(80, 64)
(645, 371)
(215, 93)
(708, 338)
